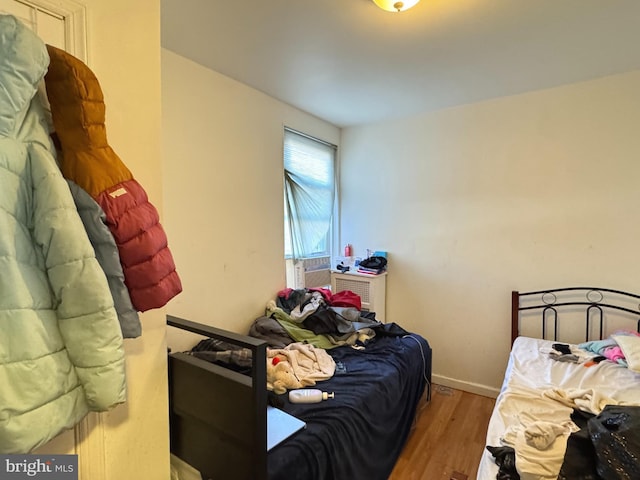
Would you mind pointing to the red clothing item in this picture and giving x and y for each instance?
(346, 298)
(284, 293)
(325, 292)
(78, 112)
(148, 266)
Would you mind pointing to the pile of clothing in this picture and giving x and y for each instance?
(621, 347)
(323, 319)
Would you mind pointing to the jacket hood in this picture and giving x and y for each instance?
(77, 102)
(78, 110)
(23, 63)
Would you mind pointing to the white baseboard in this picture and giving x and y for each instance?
(470, 387)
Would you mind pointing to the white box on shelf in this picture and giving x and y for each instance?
(371, 288)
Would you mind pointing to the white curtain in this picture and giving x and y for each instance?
(309, 183)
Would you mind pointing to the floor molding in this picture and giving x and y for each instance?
(470, 387)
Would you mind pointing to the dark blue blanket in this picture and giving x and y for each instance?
(360, 433)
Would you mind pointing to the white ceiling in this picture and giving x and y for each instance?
(350, 63)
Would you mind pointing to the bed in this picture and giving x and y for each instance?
(553, 400)
(218, 415)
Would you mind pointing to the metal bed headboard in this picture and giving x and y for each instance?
(594, 303)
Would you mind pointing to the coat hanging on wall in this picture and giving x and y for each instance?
(61, 348)
(78, 110)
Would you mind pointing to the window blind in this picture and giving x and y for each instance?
(309, 181)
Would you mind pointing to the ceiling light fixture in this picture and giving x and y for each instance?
(395, 6)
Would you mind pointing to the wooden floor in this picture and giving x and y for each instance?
(448, 439)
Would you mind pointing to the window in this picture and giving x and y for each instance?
(309, 192)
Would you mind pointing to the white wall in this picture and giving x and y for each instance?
(525, 192)
(223, 187)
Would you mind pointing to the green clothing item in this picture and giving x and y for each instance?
(61, 349)
(301, 334)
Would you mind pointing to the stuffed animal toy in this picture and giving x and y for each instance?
(281, 377)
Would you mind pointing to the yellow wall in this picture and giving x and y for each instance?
(223, 192)
(132, 440)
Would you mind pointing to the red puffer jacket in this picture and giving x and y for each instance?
(78, 110)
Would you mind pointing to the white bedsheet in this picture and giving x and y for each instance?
(530, 373)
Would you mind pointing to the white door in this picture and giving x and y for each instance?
(60, 23)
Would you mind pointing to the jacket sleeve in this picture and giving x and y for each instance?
(94, 221)
(86, 316)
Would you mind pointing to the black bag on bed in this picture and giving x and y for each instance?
(615, 434)
(580, 456)
(607, 447)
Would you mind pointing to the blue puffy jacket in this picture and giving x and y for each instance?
(61, 351)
